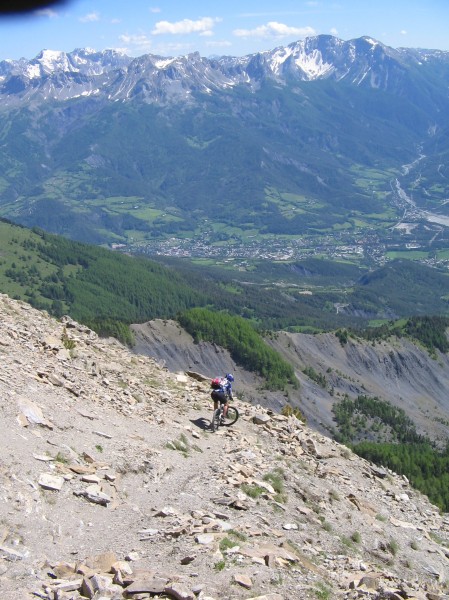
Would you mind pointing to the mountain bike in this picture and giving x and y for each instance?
(218, 417)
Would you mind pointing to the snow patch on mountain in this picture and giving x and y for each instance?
(49, 61)
(163, 63)
(313, 65)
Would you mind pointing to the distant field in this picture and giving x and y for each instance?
(407, 254)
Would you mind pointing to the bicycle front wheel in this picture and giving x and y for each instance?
(231, 416)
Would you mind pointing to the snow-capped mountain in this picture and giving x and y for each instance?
(99, 145)
(58, 75)
(114, 76)
(48, 62)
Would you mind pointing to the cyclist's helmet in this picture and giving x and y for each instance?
(229, 377)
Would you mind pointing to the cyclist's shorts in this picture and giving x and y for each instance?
(219, 396)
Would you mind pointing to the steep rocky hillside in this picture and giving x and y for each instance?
(112, 486)
(398, 371)
(167, 342)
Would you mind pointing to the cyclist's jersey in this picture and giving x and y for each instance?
(226, 386)
(224, 392)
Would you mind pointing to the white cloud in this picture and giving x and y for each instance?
(139, 44)
(334, 31)
(46, 12)
(136, 43)
(274, 29)
(173, 49)
(403, 32)
(90, 17)
(218, 44)
(155, 10)
(185, 26)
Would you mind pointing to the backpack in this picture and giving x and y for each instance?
(215, 383)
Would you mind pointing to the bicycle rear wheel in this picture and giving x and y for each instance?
(214, 424)
(231, 416)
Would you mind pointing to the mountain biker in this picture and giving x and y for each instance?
(224, 393)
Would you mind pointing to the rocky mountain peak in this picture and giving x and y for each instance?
(112, 485)
(362, 61)
(48, 61)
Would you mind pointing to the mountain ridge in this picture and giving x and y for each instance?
(363, 61)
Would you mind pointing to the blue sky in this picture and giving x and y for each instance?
(232, 27)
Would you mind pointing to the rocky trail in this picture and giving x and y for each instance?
(113, 486)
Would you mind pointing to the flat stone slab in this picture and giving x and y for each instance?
(51, 482)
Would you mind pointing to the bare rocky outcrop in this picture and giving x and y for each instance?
(113, 486)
